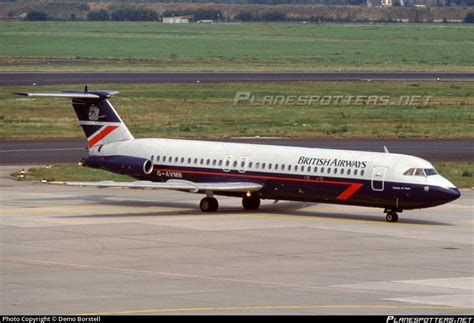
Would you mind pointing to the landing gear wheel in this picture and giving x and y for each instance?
(209, 204)
(391, 217)
(251, 203)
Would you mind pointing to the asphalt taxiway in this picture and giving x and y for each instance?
(24, 152)
(69, 250)
(46, 78)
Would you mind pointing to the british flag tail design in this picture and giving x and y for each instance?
(97, 116)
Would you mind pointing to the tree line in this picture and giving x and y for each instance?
(442, 3)
(131, 13)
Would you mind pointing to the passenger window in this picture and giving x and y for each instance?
(208, 162)
(322, 169)
(195, 161)
(270, 166)
(152, 157)
(342, 171)
(348, 172)
(289, 167)
(158, 158)
(296, 168)
(176, 160)
(250, 165)
(220, 162)
(214, 162)
(164, 159)
(315, 169)
(170, 159)
(362, 173)
(283, 167)
(335, 170)
(257, 165)
(355, 172)
(202, 161)
(182, 160)
(189, 160)
(235, 163)
(263, 165)
(308, 169)
(329, 170)
(276, 166)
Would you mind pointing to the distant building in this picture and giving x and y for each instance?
(389, 3)
(175, 20)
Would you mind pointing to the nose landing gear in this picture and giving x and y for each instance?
(392, 215)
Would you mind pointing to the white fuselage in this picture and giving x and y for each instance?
(379, 173)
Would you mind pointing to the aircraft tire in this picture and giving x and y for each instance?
(209, 204)
(391, 217)
(251, 203)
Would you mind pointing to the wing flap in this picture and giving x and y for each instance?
(179, 185)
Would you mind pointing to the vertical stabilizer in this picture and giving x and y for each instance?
(97, 117)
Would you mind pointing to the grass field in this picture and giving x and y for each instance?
(138, 46)
(207, 111)
(461, 174)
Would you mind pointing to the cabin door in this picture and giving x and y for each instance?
(227, 163)
(243, 162)
(378, 178)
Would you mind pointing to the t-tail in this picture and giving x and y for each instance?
(97, 116)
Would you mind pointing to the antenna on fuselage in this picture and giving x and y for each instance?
(386, 150)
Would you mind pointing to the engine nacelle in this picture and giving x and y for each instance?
(133, 166)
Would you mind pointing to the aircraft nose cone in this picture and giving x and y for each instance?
(454, 193)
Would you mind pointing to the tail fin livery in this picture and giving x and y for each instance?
(97, 116)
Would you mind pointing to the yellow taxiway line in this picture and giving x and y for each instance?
(276, 307)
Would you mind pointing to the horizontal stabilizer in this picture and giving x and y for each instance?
(179, 185)
(95, 95)
(79, 95)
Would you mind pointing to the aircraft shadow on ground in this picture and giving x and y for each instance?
(191, 208)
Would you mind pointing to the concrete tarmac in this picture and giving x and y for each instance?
(67, 250)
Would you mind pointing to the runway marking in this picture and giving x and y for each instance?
(190, 276)
(279, 307)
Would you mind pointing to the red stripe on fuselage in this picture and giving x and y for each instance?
(101, 135)
(353, 187)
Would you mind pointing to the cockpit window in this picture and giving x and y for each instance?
(430, 171)
(410, 172)
(421, 172)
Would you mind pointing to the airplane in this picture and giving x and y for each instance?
(393, 182)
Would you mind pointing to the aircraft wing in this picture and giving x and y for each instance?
(173, 184)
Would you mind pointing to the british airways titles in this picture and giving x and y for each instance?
(331, 162)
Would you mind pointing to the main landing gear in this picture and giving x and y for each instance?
(250, 203)
(392, 215)
(210, 204)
